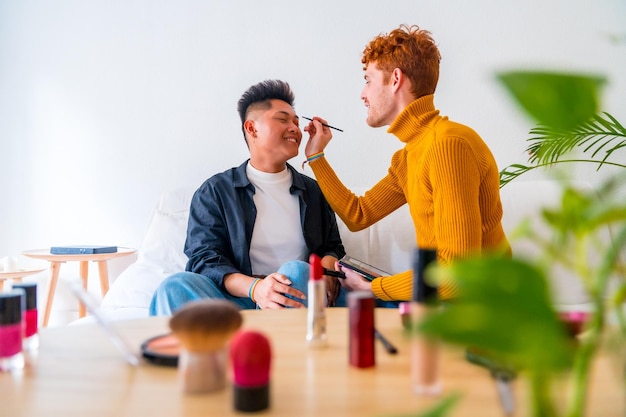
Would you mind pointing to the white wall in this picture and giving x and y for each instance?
(105, 104)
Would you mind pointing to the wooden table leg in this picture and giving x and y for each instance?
(84, 277)
(17, 279)
(55, 267)
(104, 277)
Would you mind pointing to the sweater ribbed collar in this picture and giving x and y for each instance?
(415, 119)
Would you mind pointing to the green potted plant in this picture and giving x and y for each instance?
(497, 294)
(564, 127)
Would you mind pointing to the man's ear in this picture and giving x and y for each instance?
(397, 78)
(248, 127)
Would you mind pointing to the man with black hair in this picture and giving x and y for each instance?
(252, 228)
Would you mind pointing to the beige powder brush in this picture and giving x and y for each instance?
(204, 328)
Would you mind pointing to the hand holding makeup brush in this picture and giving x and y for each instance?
(319, 136)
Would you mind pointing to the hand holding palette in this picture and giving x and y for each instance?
(203, 328)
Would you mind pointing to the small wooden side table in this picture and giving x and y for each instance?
(55, 266)
(17, 275)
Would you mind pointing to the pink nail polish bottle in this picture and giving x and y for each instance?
(31, 336)
(11, 330)
(361, 344)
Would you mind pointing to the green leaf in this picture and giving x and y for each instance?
(558, 100)
(599, 138)
(600, 135)
(440, 409)
(504, 306)
(582, 212)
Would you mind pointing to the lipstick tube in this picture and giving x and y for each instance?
(424, 351)
(316, 314)
(361, 343)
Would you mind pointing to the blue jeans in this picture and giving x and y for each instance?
(182, 287)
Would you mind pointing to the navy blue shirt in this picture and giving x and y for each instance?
(221, 220)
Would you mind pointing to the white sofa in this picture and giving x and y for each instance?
(387, 244)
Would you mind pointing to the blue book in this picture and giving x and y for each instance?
(81, 249)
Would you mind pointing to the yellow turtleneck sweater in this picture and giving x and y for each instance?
(450, 180)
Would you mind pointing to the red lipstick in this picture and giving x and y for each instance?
(250, 356)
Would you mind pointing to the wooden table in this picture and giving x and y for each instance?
(55, 266)
(17, 275)
(80, 373)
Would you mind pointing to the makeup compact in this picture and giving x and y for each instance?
(161, 350)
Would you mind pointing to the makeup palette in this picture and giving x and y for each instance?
(161, 350)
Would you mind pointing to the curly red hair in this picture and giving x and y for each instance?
(410, 49)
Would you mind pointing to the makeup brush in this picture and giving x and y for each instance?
(389, 347)
(332, 273)
(251, 356)
(203, 328)
(324, 124)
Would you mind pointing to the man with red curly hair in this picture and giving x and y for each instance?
(445, 172)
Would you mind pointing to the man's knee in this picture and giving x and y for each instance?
(296, 271)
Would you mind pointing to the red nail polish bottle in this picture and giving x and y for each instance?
(361, 344)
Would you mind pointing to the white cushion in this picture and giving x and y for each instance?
(160, 255)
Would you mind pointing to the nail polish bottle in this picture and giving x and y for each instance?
(361, 343)
(424, 351)
(11, 330)
(31, 336)
(251, 357)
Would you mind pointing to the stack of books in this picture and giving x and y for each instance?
(81, 249)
